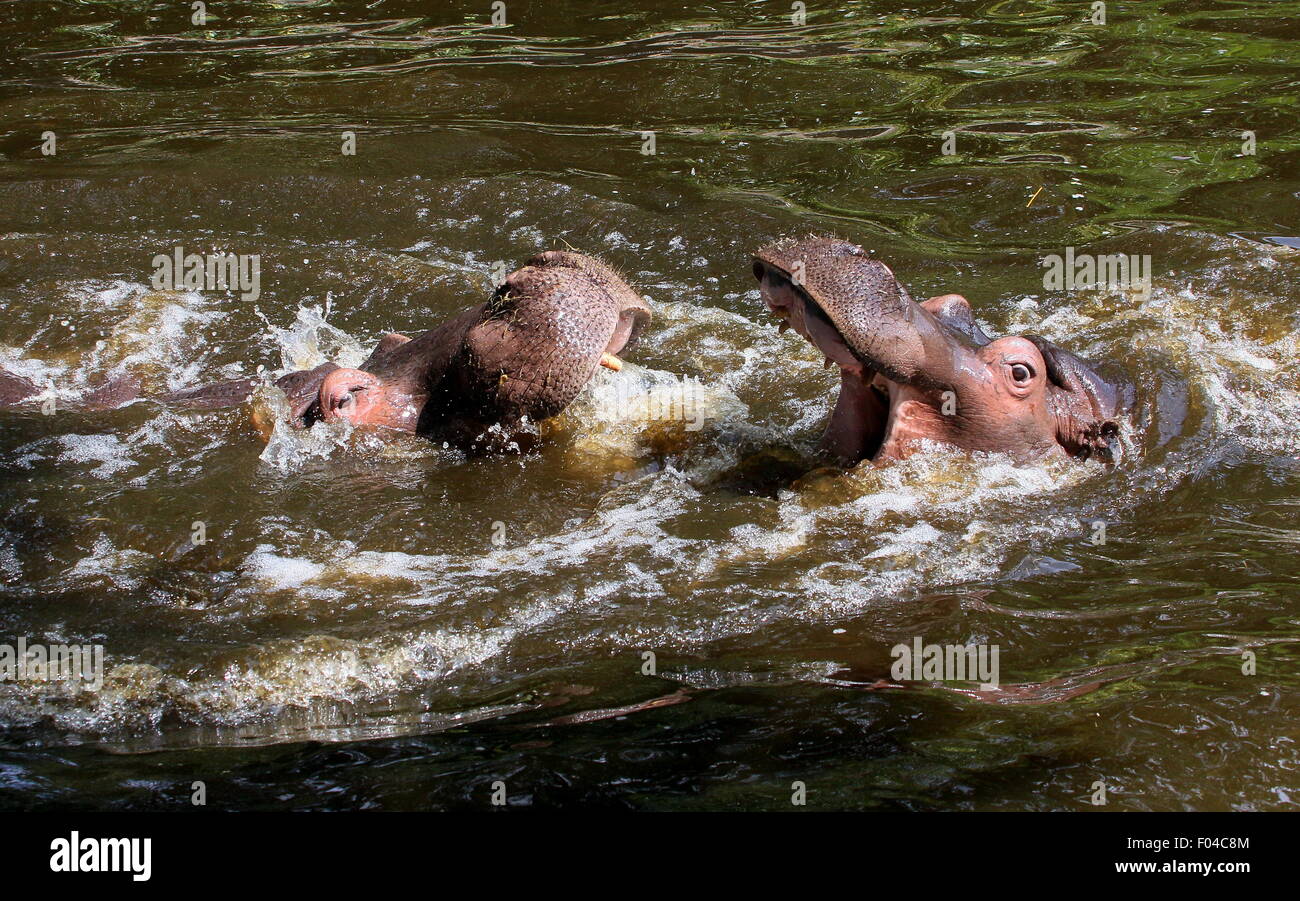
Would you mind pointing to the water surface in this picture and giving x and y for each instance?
(351, 636)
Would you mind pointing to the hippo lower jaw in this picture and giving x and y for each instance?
(860, 420)
(863, 413)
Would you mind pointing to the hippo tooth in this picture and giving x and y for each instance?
(610, 361)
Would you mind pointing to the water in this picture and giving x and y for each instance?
(350, 635)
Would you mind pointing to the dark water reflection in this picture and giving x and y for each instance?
(351, 636)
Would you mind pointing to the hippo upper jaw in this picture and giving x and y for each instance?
(807, 318)
(543, 335)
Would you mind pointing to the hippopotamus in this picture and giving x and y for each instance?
(479, 378)
(476, 380)
(910, 372)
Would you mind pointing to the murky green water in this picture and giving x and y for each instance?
(351, 636)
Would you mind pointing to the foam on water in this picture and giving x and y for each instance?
(938, 519)
(639, 411)
(158, 337)
(110, 565)
(311, 340)
(108, 451)
(288, 446)
(1237, 354)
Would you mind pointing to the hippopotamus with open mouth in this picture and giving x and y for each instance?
(912, 371)
(480, 377)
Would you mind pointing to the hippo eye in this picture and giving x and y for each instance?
(1021, 374)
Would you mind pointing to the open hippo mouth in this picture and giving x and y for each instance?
(913, 372)
(803, 314)
(858, 425)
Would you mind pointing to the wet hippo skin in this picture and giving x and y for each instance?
(113, 391)
(15, 389)
(913, 372)
(480, 378)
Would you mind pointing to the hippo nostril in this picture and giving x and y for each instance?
(343, 394)
(345, 400)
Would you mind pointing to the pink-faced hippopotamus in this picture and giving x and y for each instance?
(476, 379)
(910, 371)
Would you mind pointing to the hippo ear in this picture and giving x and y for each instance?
(1052, 359)
(1094, 402)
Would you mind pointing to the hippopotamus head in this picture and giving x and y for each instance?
(525, 354)
(914, 371)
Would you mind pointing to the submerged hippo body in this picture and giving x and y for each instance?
(15, 389)
(519, 358)
(911, 372)
(110, 391)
